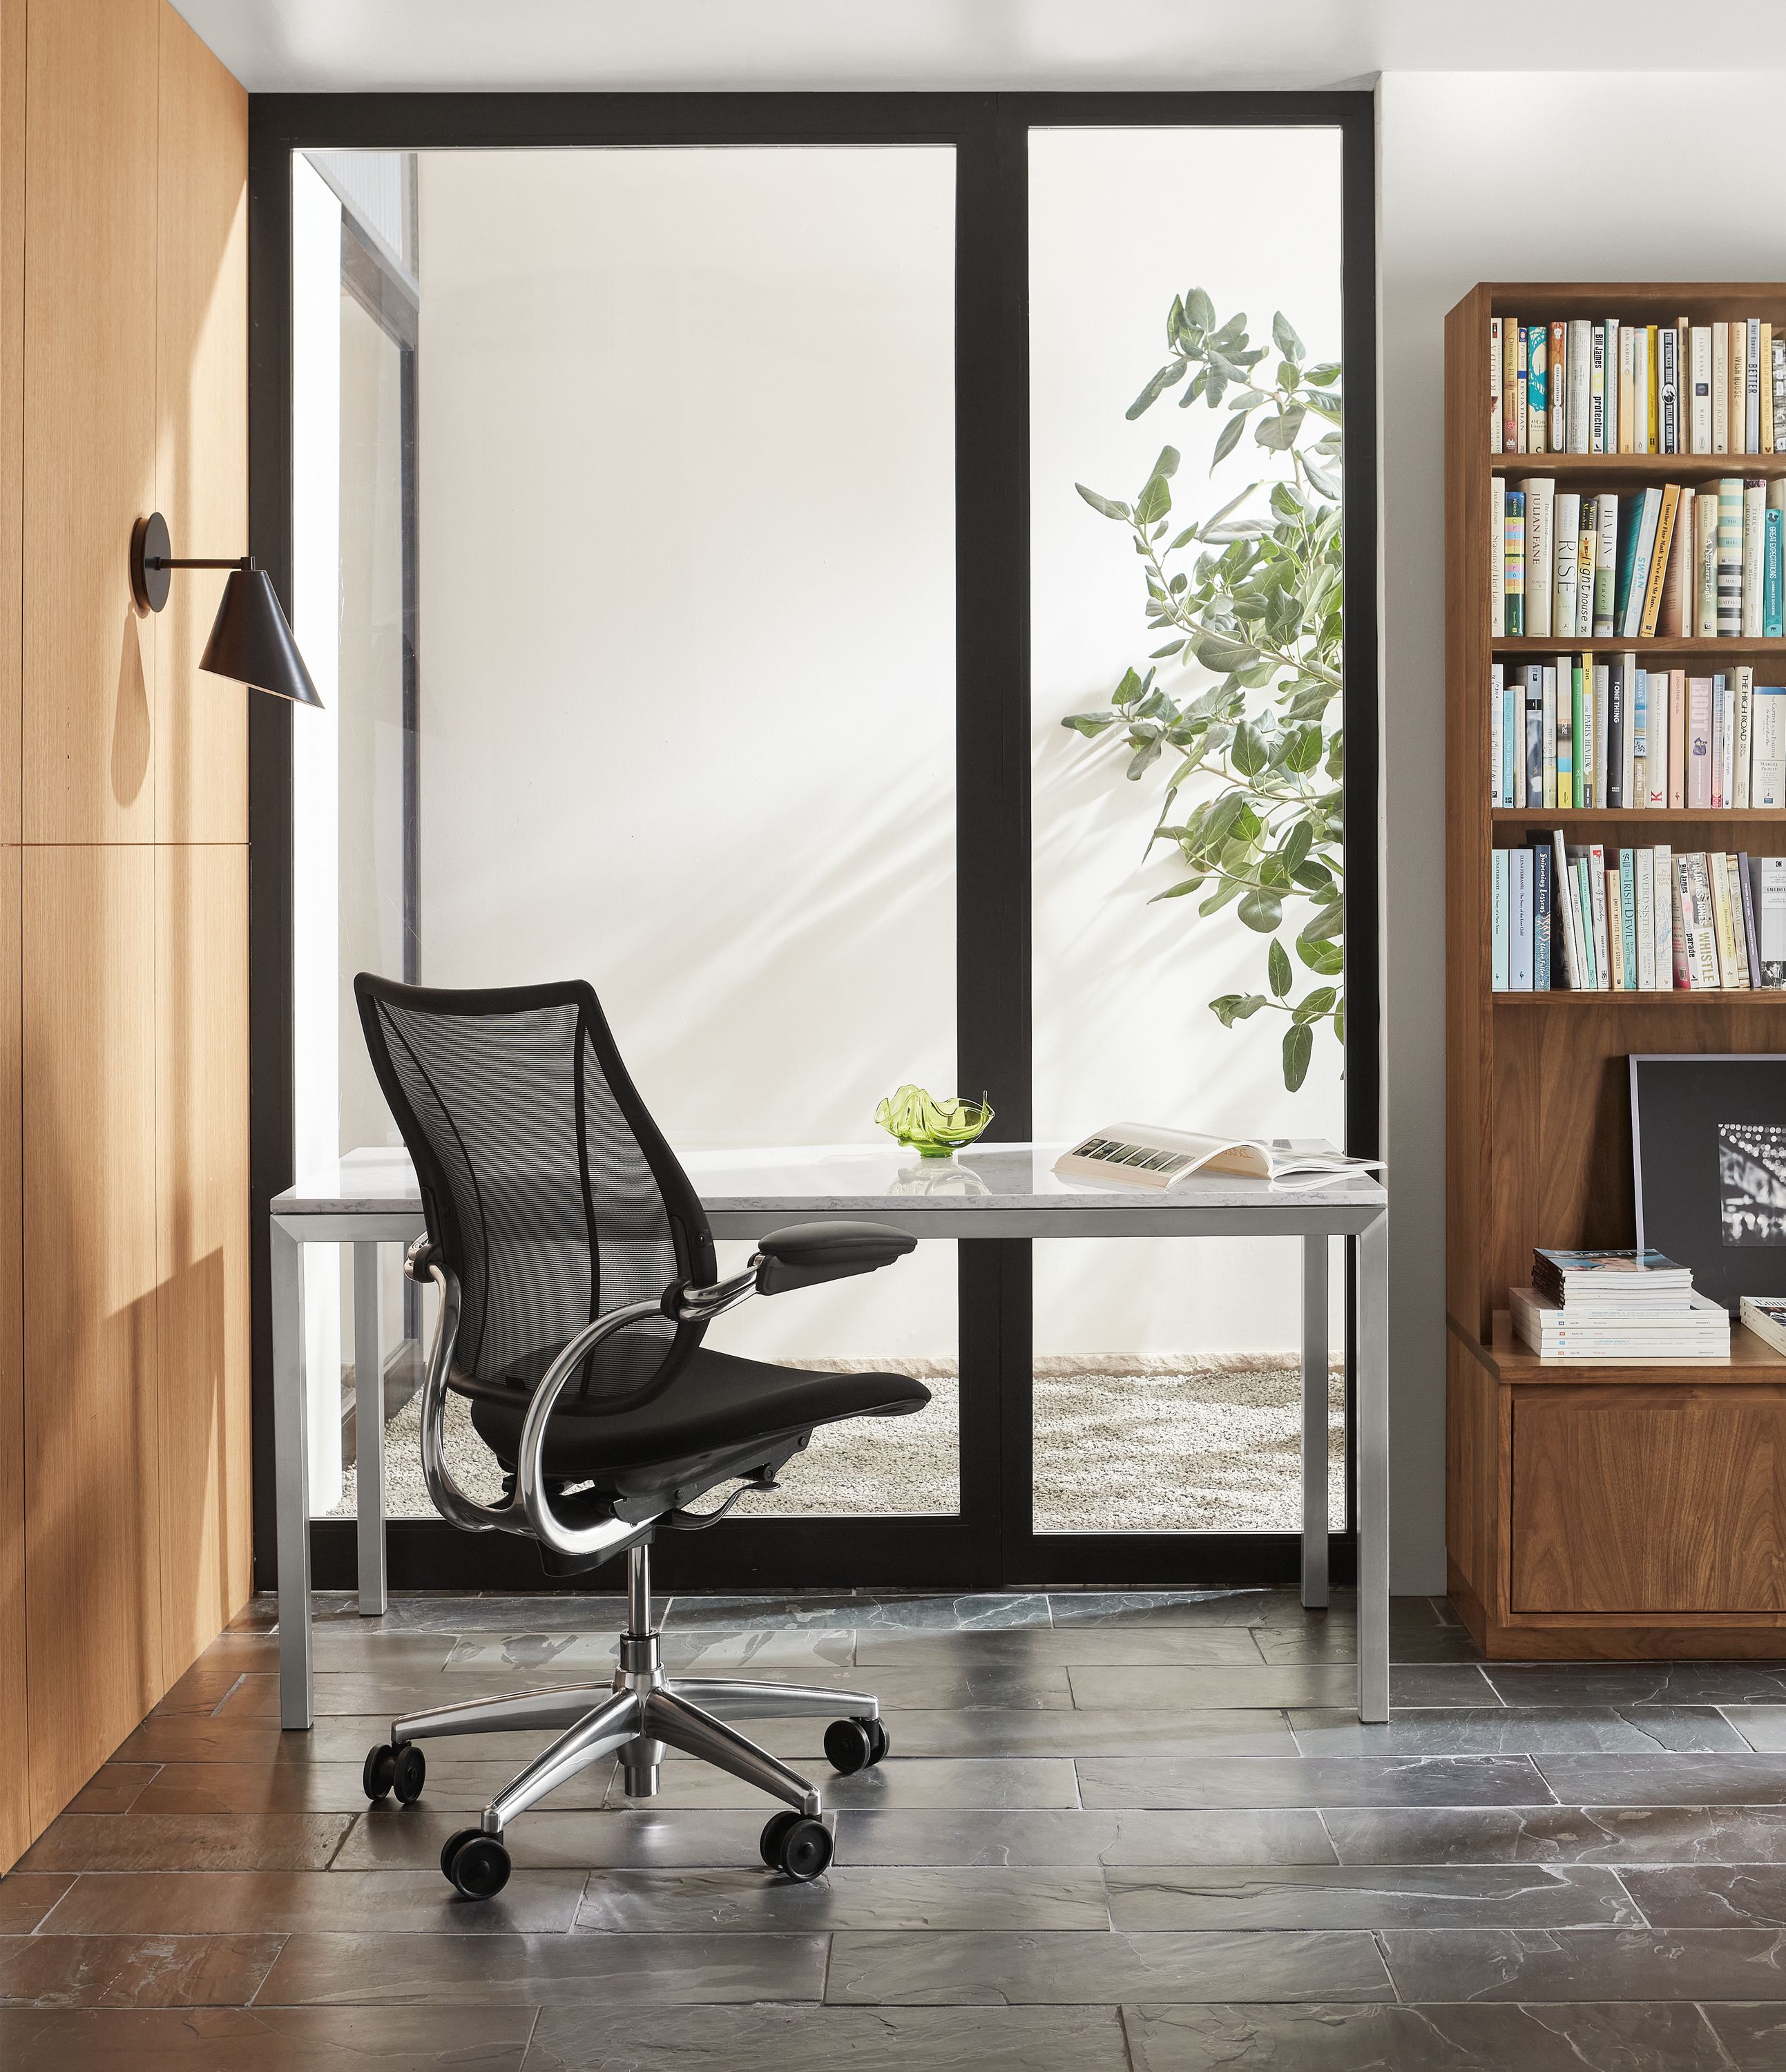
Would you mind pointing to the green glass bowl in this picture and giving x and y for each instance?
(933, 1128)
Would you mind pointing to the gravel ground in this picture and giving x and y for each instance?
(1213, 1446)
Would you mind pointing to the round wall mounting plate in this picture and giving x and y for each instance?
(150, 544)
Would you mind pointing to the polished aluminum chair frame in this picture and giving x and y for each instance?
(642, 1711)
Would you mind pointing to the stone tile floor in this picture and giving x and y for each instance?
(1119, 1831)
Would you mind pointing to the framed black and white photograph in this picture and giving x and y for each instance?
(1708, 1148)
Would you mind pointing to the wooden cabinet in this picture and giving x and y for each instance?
(1590, 1511)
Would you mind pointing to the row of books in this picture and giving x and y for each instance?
(1603, 734)
(1704, 564)
(1587, 918)
(1593, 386)
(1625, 1305)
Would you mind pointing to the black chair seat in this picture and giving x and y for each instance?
(713, 1402)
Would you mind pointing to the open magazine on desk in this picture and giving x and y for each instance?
(1134, 1154)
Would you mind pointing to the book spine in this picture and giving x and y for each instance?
(1681, 889)
(1675, 620)
(1541, 952)
(1497, 733)
(1558, 364)
(1637, 767)
(1770, 914)
(1662, 905)
(1699, 408)
(1698, 770)
(1495, 354)
(1739, 387)
(1615, 925)
(1740, 976)
(1651, 390)
(1742, 734)
(1541, 573)
(1498, 922)
(1745, 886)
(1550, 716)
(1668, 391)
(1720, 388)
(1609, 331)
(1569, 730)
(1644, 861)
(1497, 554)
(1534, 735)
(1658, 558)
(1562, 878)
(1647, 515)
(1767, 748)
(1773, 577)
(1538, 395)
(1514, 603)
(1519, 920)
(1751, 385)
(1596, 387)
(1596, 894)
(1730, 558)
(1566, 513)
(1609, 773)
(1707, 976)
(1780, 395)
(1512, 771)
(1765, 383)
(1605, 556)
(1705, 564)
(1594, 970)
(1588, 539)
(1600, 764)
(1716, 796)
(1521, 386)
(1754, 525)
(1723, 938)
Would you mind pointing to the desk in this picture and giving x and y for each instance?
(369, 1197)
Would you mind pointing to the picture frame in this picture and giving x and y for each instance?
(1708, 1156)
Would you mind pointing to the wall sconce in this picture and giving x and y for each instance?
(250, 642)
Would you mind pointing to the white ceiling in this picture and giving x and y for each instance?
(393, 45)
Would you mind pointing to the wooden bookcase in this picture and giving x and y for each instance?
(1635, 1511)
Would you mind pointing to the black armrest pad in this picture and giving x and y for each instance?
(805, 1254)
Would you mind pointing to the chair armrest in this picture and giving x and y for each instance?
(805, 1254)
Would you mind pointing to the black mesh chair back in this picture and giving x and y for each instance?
(547, 1187)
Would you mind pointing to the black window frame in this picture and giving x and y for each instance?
(991, 1544)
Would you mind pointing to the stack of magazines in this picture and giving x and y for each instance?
(1627, 1306)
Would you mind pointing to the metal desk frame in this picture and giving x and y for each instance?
(1358, 1210)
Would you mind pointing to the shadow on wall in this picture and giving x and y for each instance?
(130, 723)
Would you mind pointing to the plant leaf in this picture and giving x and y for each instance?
(1173, 371)
(1154, 502)
(1262, 910)
(1299, 1044)
(1283, 336)
(1232, 1007)
(1277, 967)
(1229, 439)
(1108, 505)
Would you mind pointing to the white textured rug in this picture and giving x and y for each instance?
(1210, 1445)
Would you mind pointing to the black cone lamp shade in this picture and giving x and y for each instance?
(250, 641)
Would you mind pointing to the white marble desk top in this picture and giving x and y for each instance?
(862, 1179)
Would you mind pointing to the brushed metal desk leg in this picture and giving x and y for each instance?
(291, 1479)
(1315, 1521)
(1372, 1443)
(369, 1430)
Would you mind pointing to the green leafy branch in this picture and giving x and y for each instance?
(1260, 607)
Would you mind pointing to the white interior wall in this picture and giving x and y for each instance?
(1457, 207)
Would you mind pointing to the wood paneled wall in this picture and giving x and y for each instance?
(124, 1220)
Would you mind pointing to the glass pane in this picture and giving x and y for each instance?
(685, 463)
(1166, 1374)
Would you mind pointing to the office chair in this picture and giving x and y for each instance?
(576, 1278)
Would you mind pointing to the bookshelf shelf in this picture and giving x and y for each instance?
(1516, 645)
(1573, 1525)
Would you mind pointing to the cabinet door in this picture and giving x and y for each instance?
(1649, 1499)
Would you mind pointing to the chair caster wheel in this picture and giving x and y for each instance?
(476, 1863)
(798, 1846)
(854, 1745)
(401, 1770)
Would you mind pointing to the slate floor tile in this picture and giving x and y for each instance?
(1753, 2036)
(793, 2039)
(1333, 1896)
(711, 1654)
(1008, 1782)
(284, 1902)
(1075, 1646)
(1616, 1834)
(974, 1969)
(1622, 1684)
(1178, 1690)
(928, 1897)
(456, 1612)
(1336, 1640)
(948, 1614)
(1500, 1730)
(549, 1838)
(1117, 1836)
(1664, 1780)
(593, 1972)
(267, 2040)
(1483, 2038)
(188, 1842)
(1107, 1729)
(132, 1971)
(1762, 1727)
(114, 1787)
(334, 1787)
(25, 1898)
(1587, 1964)
(1315, 1781)
(1710, 1895)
